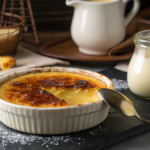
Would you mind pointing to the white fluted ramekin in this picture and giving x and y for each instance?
(53, 120)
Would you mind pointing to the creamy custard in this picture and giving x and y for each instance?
(51, 89)
(75, 97)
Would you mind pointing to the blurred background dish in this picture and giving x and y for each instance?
(99, 26)
(65, 48)
(9, 33)
(23, 8)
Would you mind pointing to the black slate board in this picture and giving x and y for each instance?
(114, 129)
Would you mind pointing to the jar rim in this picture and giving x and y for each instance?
(142, 37)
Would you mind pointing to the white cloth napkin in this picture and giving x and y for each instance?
(27, 59)
(123, 66)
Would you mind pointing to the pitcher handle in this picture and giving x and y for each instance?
(133, 12)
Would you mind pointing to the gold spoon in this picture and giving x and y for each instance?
(120, 102)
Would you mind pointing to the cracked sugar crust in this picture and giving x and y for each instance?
(30, 89)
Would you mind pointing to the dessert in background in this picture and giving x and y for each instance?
(7, 62)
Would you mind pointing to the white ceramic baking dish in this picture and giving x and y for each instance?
(53, 120)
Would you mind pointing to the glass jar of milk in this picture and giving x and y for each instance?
(139, 67)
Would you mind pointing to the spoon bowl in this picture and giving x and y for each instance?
(120, 102)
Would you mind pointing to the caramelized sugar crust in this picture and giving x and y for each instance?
(30, 89)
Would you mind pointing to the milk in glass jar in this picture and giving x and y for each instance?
(139, 67)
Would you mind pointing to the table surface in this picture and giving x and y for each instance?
(138, 142)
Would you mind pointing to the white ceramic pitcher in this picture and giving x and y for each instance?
(99, 26)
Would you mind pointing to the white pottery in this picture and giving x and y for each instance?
(59, 120)
(99, 26)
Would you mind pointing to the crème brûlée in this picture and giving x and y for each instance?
(51, 89)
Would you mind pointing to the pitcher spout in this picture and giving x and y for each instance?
(72, 3)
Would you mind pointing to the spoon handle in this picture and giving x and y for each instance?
(148, 121)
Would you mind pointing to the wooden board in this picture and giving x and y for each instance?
(114, 129)
(64, 48)
(143, 19)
